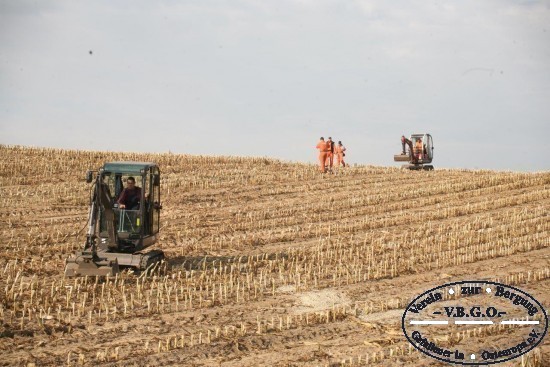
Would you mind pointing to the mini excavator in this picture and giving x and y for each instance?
(420, 152)
(117, 236)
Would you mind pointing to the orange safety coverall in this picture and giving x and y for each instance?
(339, 150)
(330, 153)
(322, 146)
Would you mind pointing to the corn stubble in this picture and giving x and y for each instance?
(237, 233)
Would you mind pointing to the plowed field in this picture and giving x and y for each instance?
(268, 262)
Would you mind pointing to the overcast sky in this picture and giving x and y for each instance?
(268, 78)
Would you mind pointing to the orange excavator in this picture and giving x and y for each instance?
(419, 154)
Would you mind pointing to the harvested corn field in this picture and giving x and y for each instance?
(268, 262)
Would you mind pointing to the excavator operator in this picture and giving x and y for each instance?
(130, 196)
(419, 148)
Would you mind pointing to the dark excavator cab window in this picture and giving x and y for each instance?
(132, 222)
(128, 221)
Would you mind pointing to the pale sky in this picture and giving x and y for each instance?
(268, 78)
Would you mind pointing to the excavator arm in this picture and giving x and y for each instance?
(101, 205)
(109, 215)
(88, 261)
(404, 157)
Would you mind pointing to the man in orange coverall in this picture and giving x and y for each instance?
(322, 146)
(330, 153)
(339, 150)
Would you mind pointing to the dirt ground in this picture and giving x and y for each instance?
(269, 263)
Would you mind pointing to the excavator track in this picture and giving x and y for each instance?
(150, 258)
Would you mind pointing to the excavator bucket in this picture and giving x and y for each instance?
(85, 264)
(401, 158)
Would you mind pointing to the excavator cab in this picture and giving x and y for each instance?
(116, 235)
(137, 226)
(417, 151)
(423, 147)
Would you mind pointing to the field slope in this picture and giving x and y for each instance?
(269, 262)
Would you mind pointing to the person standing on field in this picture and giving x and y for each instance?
(330, 153)
(322, 146)
(339, 150)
